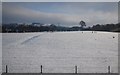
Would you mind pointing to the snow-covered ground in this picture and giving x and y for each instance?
(0, 53)
(59, 52)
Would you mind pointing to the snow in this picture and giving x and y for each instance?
(59, 52)
(0, 53)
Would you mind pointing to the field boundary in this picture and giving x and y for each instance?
(60, 74)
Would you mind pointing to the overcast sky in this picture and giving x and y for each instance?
(65, 13)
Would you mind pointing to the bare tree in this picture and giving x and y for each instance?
(82, 23)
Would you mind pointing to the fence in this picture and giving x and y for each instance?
(42, 70)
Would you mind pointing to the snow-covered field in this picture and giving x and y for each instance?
(59, 52)
(0, 53)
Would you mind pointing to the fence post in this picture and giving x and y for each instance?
(108, 69)
(41, 69)
(75, 69)
(6, 69)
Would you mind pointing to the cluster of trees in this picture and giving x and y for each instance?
(41, 28)
(107, 27)
(32, 28)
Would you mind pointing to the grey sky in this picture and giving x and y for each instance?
(60, 0)
(66, 13)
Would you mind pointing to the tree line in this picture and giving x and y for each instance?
(14, 27)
